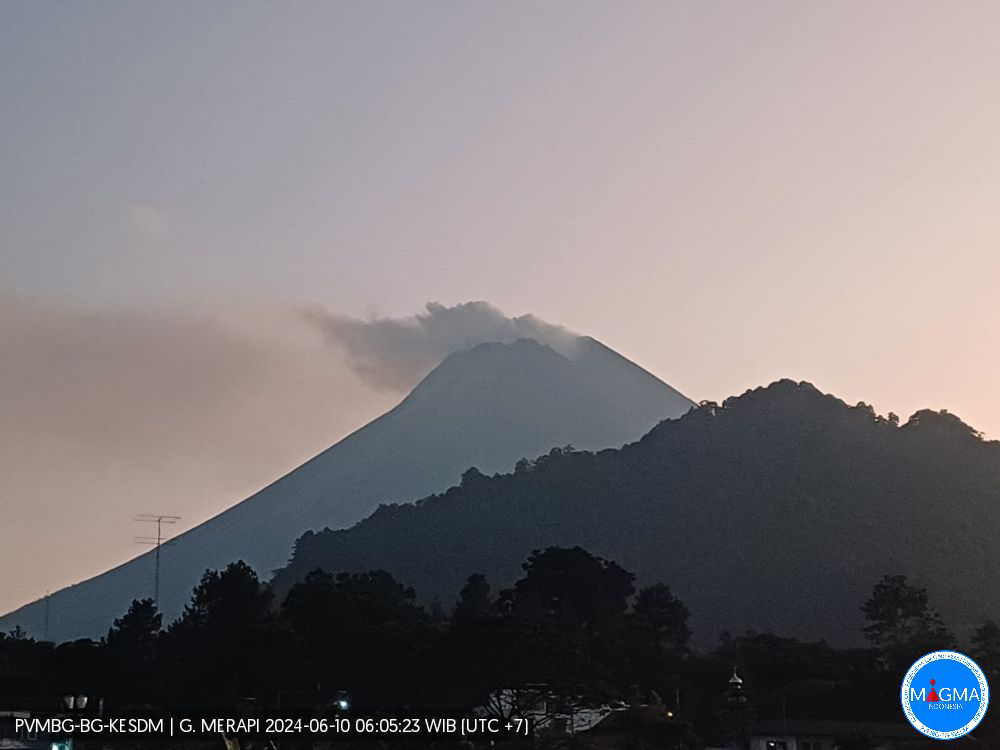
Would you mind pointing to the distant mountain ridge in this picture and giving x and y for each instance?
(774, 511)
(490, 406)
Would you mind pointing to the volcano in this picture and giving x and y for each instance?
(487, 407)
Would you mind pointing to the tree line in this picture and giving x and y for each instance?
(573, 622)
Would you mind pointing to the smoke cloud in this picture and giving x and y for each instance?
(393, 354)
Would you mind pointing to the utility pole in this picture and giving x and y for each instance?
(159, 519)
(46, 615)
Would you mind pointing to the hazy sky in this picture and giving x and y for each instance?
(725, 192)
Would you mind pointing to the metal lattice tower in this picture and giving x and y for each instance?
(159, 519)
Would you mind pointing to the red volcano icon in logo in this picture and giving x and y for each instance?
(933, 696)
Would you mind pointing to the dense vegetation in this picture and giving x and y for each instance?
(573, 622)
(776, 510)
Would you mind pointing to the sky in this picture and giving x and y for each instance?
(726, 193)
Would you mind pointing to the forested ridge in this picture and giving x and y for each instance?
(775, 510)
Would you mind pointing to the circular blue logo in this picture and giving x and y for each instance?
(945, 695)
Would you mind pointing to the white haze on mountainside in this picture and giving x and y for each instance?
(394, 353)
(112, 412)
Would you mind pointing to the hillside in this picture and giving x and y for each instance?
(776, 510)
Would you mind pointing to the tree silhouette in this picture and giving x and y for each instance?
(228, 600)
(571, 588)
(224, 643)
(135, 633)
(656, 637)
(661, 618)
(132, 650)
(986, 648)
(474, 600)
(376, 597)
(901, 622)
(316, 607)
(351, 631)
